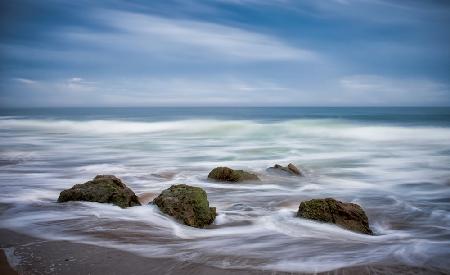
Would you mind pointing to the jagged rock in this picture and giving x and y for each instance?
(290, 170)
(188, 204)
(294, 169)
(348, 215)
(104, 189)
(228, 174)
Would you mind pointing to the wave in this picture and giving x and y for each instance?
(321, 128)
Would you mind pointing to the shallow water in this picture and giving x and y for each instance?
(394, 162)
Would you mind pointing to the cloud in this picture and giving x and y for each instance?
(76, 80)
(225, 52)
(150, 91)
(76, 84)
(380, 90)
(375, 11)
(24, 80)
(154, 35)
(352, 90)
(181, 91)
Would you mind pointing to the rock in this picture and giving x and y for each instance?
(294, 169)
(290, 170)
(348, 215)
(103, 188)
(188, 204)
(228, 174)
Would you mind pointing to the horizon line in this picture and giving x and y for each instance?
(222, 106)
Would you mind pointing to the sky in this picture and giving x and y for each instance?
(224, 53)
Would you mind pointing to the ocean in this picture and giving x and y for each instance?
(394, 162)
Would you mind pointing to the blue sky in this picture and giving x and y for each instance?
(225, 53)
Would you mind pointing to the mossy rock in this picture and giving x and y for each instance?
(187, 204)
(103, 189)
(347, 215)
(228, 174)
(290, 170)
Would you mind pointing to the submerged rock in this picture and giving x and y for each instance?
(228, 174)
(291, 170)
(188, 204)
(104, 189)
(348, 215)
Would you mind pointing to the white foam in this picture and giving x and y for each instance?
(13, 260)
(285, 222)
(98, 127)
(325, 128)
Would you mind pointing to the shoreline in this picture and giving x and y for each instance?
(38, 256)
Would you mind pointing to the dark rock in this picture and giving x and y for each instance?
(186, 203)
(294, 169)
(348, 215)
(103, 188)
(228, 174)
(290, 170)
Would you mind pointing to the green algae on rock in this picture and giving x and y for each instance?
(103, 189)
(347, 215)
(228, 174)
(187, 204)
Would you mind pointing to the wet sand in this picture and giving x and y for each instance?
(5, 268)
(37, 256)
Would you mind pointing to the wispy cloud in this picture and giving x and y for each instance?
(199, 91)
(353, 90)
(149, 91)
(77, 84)
(378, 90)
(189, 38)
(380, 11)
(24, 80)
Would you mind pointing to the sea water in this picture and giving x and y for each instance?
(394, 162)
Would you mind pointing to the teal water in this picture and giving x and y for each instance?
(425, 115)
(394, 162)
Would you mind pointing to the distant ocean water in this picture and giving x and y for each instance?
(394, 162)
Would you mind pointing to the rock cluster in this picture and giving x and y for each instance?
(190, 204)
(290, 170)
